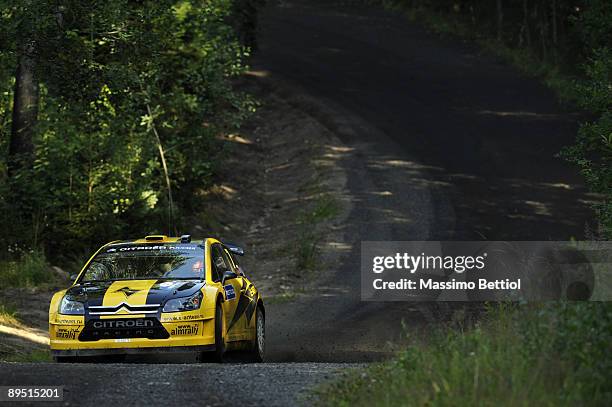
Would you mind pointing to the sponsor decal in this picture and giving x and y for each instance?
(169, 284)
(246, 306)
(66, 333)
(230, 294)
(197, 267)
(179, 318)
(123, 328)
(110, 324)
(159, 247)
(251, 308)
(191, 329)
(70, 321)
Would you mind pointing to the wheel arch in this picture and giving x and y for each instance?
(260, 304)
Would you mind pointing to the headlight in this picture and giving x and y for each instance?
(69, 307)
(184, 304)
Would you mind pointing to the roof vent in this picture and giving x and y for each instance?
(155, 238)
(186, 239)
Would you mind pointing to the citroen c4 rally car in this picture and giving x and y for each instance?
(159, 294)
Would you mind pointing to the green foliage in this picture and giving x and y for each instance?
(595, 92)
(306, 252)
(112, 74)
(593, 24)
(593, 151)
(555, 354)
(30, 270)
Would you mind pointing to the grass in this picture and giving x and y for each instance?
(8, 315)
(30, 270)
(555, 354)
(283, 298)
(34, 356)
(306, 253)
(524, 60)
(17, 353)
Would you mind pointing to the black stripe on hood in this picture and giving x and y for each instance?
(163, 290)
(91, 293)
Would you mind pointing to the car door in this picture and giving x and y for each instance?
(249, 294)
(232, 292)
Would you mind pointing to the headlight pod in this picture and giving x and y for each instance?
(70, 307)
(184, 304)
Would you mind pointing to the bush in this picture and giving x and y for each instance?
(592, 152)
(554, 354)
(30, 270)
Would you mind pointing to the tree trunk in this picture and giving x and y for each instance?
(25, 111)
(526, 23)
(500, 20)
(543, 32)
(162, 156)
(554, 22)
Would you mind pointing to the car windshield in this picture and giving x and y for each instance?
(139, 262)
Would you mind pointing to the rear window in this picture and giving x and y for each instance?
(139, 262)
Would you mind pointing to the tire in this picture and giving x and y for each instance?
(65, 359)
(217, 354)
(256, 354)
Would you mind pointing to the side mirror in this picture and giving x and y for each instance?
(228, 275)
(235, 249)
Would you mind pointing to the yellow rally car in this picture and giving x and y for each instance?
(159, 294)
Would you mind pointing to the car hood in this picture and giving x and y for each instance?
(133, 292)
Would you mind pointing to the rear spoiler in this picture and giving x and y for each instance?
(234, 248)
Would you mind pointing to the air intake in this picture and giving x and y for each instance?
(155, 238)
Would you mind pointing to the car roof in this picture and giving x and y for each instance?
(163, 239)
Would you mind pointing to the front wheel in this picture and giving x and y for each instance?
(257, 352)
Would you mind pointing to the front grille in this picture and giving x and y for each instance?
(123, 328)
(131, 309)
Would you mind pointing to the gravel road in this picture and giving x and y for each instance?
(269, 384)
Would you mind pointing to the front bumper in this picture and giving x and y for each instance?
(180, 335)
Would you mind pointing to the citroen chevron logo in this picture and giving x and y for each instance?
(127, 291)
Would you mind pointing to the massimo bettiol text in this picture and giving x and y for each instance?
(485, 271)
